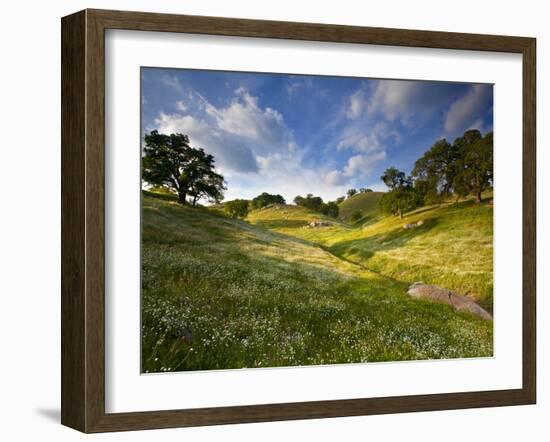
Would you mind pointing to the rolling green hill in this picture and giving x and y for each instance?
(453, 248)
(224, 293)
(366, 202)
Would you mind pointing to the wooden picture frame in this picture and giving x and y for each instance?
(83, 219)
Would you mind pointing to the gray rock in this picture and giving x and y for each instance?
(319, 224)
(420, 290)
(413, 225)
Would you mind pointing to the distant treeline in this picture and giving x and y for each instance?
(265, 199)
(329, 208)
(239, 208)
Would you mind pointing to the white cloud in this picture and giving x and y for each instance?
(296, 84)
(285, 174)
(356, 104)
(173, 82)
(365, 134)
(394, 99)
(245, 118)
(363, 164)
(371, 127)
(465, 111)
(360, 137)
(180, 105)
(335, 178)
(230, 153)
(480, 125)
(175, 123)
(242, 135)
(406, 101)
(256, 151)
(358, 167)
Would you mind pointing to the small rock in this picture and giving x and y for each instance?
(413, 225)
(319, 224)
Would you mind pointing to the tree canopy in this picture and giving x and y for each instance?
(464, 167)
(475, 165)
(316, 204)
(265, 199)
(402, 197)
(169, 160)
(401, 200)
(393, 178)
(330, 209)
(237, 208)
(435, 171)
(309, 201)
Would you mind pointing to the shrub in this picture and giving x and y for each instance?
(401, 200)
(237, 208)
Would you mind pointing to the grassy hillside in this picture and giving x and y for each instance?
(294, 220)
(222, 293)
(366, 202)
(453, 248)
(278, 216)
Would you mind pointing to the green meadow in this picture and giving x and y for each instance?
(269, 291)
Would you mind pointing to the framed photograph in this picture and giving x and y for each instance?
(267, 221)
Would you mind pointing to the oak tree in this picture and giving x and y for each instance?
(169, 160)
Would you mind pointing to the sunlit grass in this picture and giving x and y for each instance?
(221, 293)
(453, 248)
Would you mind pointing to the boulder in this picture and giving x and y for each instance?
(420, 290)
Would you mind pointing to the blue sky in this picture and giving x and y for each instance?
(294, 135)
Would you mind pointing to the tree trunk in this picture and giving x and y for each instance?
(182, 198)
(400, 212)
(478, 197)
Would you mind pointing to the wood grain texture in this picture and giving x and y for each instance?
(95, 221)
(83, 220)
(145, 21)
(73, 253)
(529, 220)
